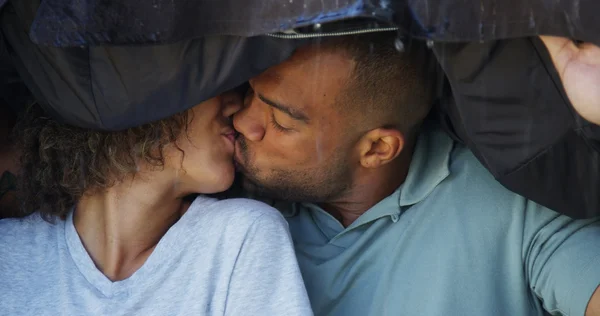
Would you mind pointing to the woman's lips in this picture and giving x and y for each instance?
(230, 136)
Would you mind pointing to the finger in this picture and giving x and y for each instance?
(555, 44)
(561, 49)
(589, 53)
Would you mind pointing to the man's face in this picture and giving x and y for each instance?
(293, 142)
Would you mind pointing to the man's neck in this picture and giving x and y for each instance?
(121, 226)
(371, 187)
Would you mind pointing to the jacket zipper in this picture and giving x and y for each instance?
(293, 35)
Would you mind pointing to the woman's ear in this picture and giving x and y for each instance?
(380, 146)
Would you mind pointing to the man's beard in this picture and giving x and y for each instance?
(319, 185)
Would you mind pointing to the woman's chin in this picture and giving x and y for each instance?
(217, 179)
(223, 182)
(226, 184)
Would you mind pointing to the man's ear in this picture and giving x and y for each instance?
(380, 146)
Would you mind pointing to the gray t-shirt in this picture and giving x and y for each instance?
(228, 257)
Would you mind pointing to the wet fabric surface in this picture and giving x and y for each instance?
(505, 102)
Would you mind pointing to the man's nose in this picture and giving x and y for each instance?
(250, 121)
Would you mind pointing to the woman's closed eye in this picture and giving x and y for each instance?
(232, 102)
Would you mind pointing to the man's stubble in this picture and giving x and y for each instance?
(322, 184)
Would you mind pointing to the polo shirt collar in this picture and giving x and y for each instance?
(429, 167)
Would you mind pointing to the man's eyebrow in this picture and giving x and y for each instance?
(293, 113)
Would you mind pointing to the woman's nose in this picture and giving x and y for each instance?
(231, 102)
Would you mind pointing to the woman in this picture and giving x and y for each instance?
(114, 234)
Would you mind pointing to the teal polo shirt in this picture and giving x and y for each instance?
(450, 241)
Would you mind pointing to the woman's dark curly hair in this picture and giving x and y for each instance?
(60, 163)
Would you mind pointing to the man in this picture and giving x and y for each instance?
(400, 221)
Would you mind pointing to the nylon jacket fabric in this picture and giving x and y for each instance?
(112, 65)
(117, 87)
(509, 107)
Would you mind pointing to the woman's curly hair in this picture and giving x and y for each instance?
(60, 163)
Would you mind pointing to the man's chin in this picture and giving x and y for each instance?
(277, 190)
(251, 186)
(255, 189)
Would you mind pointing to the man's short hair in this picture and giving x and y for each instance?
(390, 88)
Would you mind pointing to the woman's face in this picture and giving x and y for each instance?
(208, 146)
